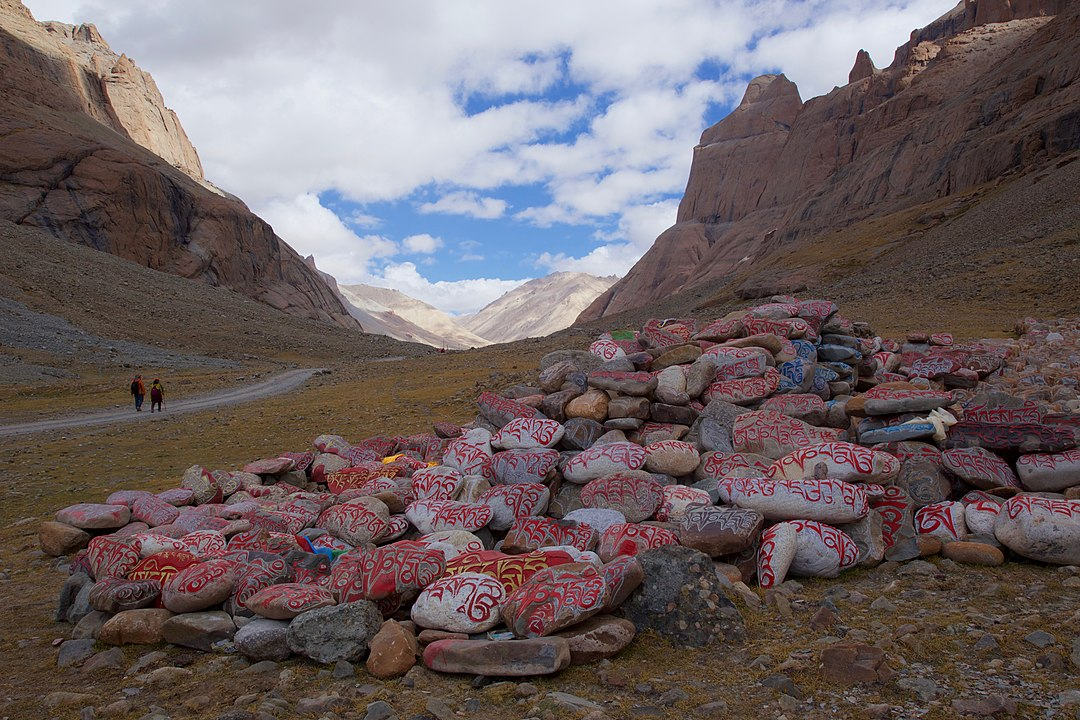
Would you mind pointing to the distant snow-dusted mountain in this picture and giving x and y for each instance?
(537, 308)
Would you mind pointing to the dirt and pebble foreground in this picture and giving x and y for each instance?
(957, 639)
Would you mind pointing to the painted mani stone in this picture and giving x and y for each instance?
(636, 496)
(1043, 529)
(254, 575)
(510, 570)
(552, 600)
(719, 465)
(718, 531)
(200, 586)
(842, 461)
(430, 516)
(601, 460)
(774, 435)
(510, 502)
(897, 515)
(746, 390)
(94, 516)
(154, 511)
(500, 411)
(112, 594)
(979, 467)
(108, 556)
(678, 500)
(532, 533)
(826, 500)
(979, 516)
(632, 539)
(528, 434)
(356, 522)
(467, 602)
(944, 520)
(524, 466)
(671, 457)
(821, 550)
(775, 554)
(1049, 472)
(161, 566)
(287, 600)
(437, 483)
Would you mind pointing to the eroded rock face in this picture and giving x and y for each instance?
(989, 99)
(90, 154)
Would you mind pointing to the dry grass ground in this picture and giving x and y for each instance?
(929, 629)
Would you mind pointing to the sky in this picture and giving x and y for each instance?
(454, 149)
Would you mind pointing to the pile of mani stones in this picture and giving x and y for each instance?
(783, 440)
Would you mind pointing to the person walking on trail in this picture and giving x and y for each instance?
(157, 395)
(138, 389)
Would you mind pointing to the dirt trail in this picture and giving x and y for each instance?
(275, 385)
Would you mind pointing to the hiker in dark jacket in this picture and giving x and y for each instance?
(139, 391)
(157, 395)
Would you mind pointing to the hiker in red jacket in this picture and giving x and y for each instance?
(157, 395)
(139, 391)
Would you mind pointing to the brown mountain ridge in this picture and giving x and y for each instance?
(785, 195)
(90, 154)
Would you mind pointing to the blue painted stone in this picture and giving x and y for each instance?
(795, 375)
(805, 350)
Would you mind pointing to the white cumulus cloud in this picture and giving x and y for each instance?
(466, 203)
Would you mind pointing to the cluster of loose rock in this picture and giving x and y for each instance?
(623, 491)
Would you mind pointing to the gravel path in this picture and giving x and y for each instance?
(276, 385)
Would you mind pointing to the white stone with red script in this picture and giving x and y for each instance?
(601, 460)
(979, 468)
(510, 502)
(430, 516)
(841, 460)
(826, 500)
(671, 457)
(632, 539)
(981, 515)
(467, 602)
(1049, 472)
(821, 550)
(1043, 529)
(944, 520)
(775, 553)
(635, 494)
(452, 542)
(774, 434)
(437, 483)
(679, 500)
(528, 434)
(356, 522)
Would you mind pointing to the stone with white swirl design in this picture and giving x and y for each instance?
(1043, 529)
(464, 603)
(113, 595)
(718, 531)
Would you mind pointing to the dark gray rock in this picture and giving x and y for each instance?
(73, 652)
(339, 632)
(583, 360)
(68, 597)
(263, 640)
(682, 599)
(199, 630)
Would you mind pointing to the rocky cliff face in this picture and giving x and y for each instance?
(987, 90)
(90, 153)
